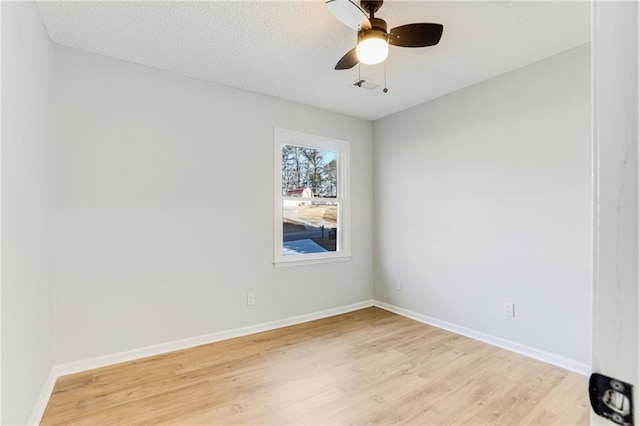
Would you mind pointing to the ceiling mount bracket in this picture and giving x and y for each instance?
(371, 6)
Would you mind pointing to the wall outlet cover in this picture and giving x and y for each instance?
(509, 309)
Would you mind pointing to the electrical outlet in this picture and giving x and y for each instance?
(399, 285)
(509, 310)
(251, 299)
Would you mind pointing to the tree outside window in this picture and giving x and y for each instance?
(310, 204)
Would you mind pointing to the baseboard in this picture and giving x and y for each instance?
(43, 399)
(116, 358)
(103, 361)
(540, 355)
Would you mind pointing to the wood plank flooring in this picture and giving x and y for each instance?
(366, 367)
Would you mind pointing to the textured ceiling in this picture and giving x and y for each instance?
(288, 48)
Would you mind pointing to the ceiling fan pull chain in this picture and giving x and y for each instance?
(385, 90)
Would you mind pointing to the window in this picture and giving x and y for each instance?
(311, 198)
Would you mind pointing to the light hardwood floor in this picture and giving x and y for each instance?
(366, 367)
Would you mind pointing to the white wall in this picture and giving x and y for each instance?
(484, 196)
(164, 210)
(27, 315)
(616, 351)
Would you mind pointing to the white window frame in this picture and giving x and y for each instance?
(284, 137)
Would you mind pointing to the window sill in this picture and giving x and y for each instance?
(285, 263)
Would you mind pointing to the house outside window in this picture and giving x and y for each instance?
(311, 198)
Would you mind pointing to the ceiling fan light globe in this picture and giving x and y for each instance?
(372, 50)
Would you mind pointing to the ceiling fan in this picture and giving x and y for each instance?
(373, 38)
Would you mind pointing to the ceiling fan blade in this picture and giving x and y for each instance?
(416, 35)
(349, 13)
(348, 61)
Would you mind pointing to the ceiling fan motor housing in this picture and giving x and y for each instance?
(378, 24)
(378, 29)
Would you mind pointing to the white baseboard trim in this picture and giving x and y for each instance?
(105, 360)
(43, 399)
(540, 355)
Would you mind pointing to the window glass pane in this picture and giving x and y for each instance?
(309, 172)
(308, 227)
